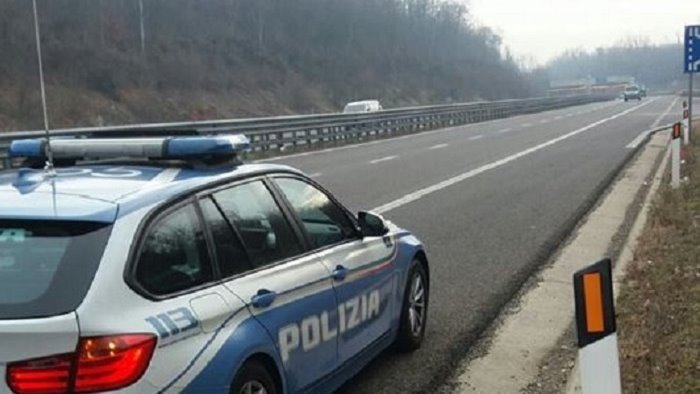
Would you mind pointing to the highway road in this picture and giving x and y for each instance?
(491, 201)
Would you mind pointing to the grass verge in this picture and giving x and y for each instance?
(659, 304)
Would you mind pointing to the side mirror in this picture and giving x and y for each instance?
(372, 225)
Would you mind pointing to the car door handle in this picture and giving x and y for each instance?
(263, 299)
(340, 273)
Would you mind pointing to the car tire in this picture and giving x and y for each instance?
(253, 378)
(414, 310)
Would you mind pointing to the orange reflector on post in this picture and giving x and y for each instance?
(593, 293)
(677, 130)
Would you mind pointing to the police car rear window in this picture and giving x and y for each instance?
(46, 267)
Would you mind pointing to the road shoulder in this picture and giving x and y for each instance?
(512, 355)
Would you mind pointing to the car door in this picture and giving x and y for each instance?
(174, 269)
(287, 288)
(361, 267)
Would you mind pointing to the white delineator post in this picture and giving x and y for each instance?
(686, 125)
(595, 323)
(676, 156)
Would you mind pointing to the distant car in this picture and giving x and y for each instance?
(632, 93)
(165, 265)
(362, 106)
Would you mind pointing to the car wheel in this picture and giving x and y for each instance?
(414, 312)
(253, 378)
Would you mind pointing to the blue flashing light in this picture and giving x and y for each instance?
(206, 146)
(27, 148)
(113, 148)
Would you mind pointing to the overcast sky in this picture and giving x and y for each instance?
(543, 29)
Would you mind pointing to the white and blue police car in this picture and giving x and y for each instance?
(164, 265)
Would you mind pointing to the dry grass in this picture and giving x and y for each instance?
(659, 304)
(70, 106)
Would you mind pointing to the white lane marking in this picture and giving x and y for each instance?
(559, 117)
(527, 124)
(476, 137)
(438, 146)
(315, 175)
(506, 130)
(418, 194)
(644, 134)
(543, 121)
(387, 158)
(658, 120)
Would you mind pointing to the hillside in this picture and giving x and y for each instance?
(238, 58)
(658, 66)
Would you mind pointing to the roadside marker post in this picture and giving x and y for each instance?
(676, 156)
(686, 125)
(595, 324)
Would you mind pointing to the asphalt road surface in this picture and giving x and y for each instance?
(491, 201)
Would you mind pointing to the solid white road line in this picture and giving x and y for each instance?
(383, 159)
(643, 135)
(506, 130)
(544, 121)
(315, 175)
(559, 117)
(527, 124)
(418, 194)
(438, 146)
(476, 137)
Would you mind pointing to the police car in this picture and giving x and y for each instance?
(164, 265)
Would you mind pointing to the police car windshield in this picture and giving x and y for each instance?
(46, 267)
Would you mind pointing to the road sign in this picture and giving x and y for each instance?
(692, 49)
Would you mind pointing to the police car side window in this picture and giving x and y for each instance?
(174, 254)
(325, 222)
(266, 234)
(231, 255)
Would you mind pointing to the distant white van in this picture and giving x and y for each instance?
(362, 106)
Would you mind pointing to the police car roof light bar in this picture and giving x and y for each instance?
(141, 148)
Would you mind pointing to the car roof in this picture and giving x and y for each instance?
(103, 192)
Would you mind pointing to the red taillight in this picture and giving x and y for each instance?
(103, 364)
(110, 363)
(45, 375)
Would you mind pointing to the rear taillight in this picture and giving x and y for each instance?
(99, 364)
(44, 375)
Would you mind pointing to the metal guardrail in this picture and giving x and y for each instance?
(274, 133)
